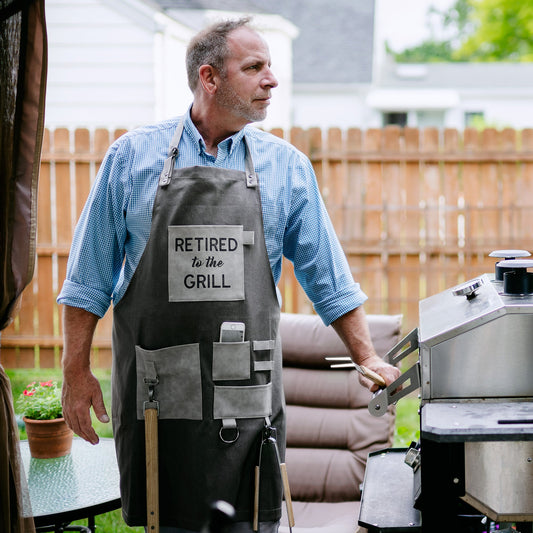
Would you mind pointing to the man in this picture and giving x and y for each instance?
(184, 230)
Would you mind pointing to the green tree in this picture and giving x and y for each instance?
(478, 30)
(427, 52)
(503, 31)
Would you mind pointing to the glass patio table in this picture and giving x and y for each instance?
(80, 485)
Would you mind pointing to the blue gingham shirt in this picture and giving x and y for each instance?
(114, 226)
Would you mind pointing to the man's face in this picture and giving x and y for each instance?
(247, 79)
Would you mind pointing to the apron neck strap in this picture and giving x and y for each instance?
(251, 176)
(168, 167)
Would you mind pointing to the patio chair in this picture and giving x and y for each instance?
(329, 429)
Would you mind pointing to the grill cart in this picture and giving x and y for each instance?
(472, 469)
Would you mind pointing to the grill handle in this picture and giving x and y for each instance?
(395, 391)
(398, 389)
(403, 348)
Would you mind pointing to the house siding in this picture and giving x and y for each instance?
(101, 67)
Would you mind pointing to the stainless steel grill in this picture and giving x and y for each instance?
(473, 465)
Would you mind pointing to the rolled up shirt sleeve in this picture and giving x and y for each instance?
(97, 251)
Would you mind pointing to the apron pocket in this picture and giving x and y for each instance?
(243, 402)
(231, 360)
(179, 391)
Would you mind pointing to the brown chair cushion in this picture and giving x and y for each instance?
(324, 388)
(329, 429)
(327, 450)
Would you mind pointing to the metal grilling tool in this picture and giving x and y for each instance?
(346, 362)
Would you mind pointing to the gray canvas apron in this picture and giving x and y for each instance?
(205, 263)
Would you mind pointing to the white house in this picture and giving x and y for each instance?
(111, 63)
(453, 95)
(121, 63)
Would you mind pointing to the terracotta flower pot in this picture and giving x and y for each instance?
(48, 438)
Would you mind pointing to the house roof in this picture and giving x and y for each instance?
(335, 44)
(457, 75)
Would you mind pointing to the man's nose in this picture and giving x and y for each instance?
(270, 80)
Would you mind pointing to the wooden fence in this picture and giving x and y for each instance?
(416, 212)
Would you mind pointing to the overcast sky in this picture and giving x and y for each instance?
(404, 23)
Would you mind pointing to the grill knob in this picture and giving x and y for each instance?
(506, 254)
(516, 278)
(468, 289)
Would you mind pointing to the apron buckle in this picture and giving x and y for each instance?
(229, 432)
(151, 403)
(168, 167)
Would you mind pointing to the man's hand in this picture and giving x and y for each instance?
(388, 372)
(81, 390)
(352, 328)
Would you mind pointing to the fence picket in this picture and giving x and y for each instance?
(334, 184)
(411, 193)
(354, 189)
(82, 171)
(373, 205)
(524, 189)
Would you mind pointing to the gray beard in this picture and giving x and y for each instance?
(229, 99)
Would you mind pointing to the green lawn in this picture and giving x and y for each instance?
(407, 428)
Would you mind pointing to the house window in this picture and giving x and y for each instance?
(430, 119)
(473, 118)
(396, 119)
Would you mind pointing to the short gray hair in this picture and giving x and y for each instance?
(209, 47)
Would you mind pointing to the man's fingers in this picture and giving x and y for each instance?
(365, 382)
(388, 372)
(99, 408)
(81, 424)
(77, 414)
(86, 427)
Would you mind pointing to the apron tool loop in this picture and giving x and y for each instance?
(269, 438)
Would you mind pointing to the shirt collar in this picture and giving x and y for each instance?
(231, 143)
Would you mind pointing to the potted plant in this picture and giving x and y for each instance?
(48, 433)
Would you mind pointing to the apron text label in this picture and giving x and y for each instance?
(205, 263)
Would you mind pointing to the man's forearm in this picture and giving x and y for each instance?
(81, 389)
(78, 331)
(353, 330)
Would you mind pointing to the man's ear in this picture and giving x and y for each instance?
(208, 77)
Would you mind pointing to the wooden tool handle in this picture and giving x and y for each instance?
(152, 470)
(373, 376)
(287, 492)
(255, 524)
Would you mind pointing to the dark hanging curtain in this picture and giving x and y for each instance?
(22, 93)
(23, 68)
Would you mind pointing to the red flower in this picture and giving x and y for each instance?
(29, 392)
(46, 383)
